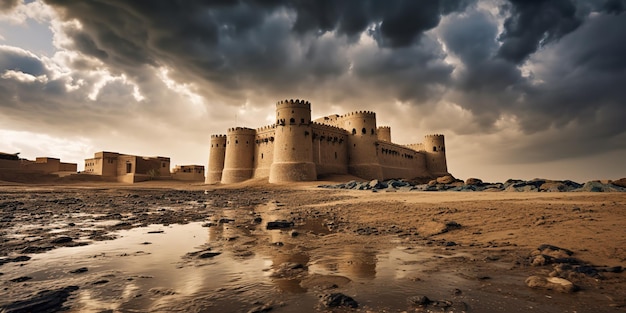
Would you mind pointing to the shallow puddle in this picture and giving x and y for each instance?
(151, 269)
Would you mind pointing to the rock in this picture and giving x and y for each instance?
(474, 181)
(20, 279)
(448, 179)
(225, 220)
(100, 282)
(21, 258)
(79, 270)
(419, 300)
(62, 239)
(288, 270)
(207, 255)
(551, 283)
(334, 300)
(44, 301)
(156, 232)
(279, 225)
(162, 291)
(620, 182)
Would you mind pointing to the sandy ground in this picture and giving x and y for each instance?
(465, 251)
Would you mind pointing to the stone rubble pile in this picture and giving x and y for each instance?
(449, 183)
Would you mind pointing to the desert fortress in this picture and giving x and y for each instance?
(296, 148)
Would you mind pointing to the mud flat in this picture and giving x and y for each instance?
(298, 248)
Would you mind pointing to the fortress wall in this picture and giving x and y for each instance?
(384, 133)
(398, 161)
(264, 151)
(331, 120)
(293, 149)
(435, 149)
(362, 160)
(330, 149)
(217, 156)
(239, 156)
(12, 164)
(68, 167)
(416, 146)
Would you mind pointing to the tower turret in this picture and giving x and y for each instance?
(217, 155)
(384, 133)
(362, 149)
(293, 149)
(435, 148)
(238, 164)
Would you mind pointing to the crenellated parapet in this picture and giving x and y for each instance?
(292, 102)
(434, 136)
(360, 113)
(217, 136)
(266, 128)
(326, 127)
(241, 130)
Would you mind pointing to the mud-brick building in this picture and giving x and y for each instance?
(188, 172)
(127, 168)
(43, 165)
(296, 148)
(49, 165)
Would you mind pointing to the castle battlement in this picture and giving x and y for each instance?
(322, 126)
(266, 128)
(359, 113)
(241, 130)
(299, 149)
(297, 102)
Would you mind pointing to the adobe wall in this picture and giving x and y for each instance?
(188, 173)
(330, 149)
(122, 168)
(398, 161)
(153, 167)
(217, 156)
(12, 164)
(264, 151)
(239, 157)
(293, 148)
(68, 167)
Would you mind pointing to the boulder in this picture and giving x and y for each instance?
(474, 181)
(279, 225)
(334, 300)
(551, 283)
(448, 179)
(620, 182)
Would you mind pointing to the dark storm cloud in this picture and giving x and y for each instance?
(236, 44)
(8, 5)
(533, 24)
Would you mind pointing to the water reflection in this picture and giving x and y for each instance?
(252, 267)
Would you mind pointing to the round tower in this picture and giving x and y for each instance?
(293, 147)
(384, 133)
(217, 156)
(362, 144)
(239, 159)
(435, 148)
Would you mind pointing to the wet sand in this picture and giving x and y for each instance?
(166, 247)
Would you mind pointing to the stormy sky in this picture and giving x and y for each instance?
(521, 89)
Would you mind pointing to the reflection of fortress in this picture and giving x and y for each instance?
(298, 149)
